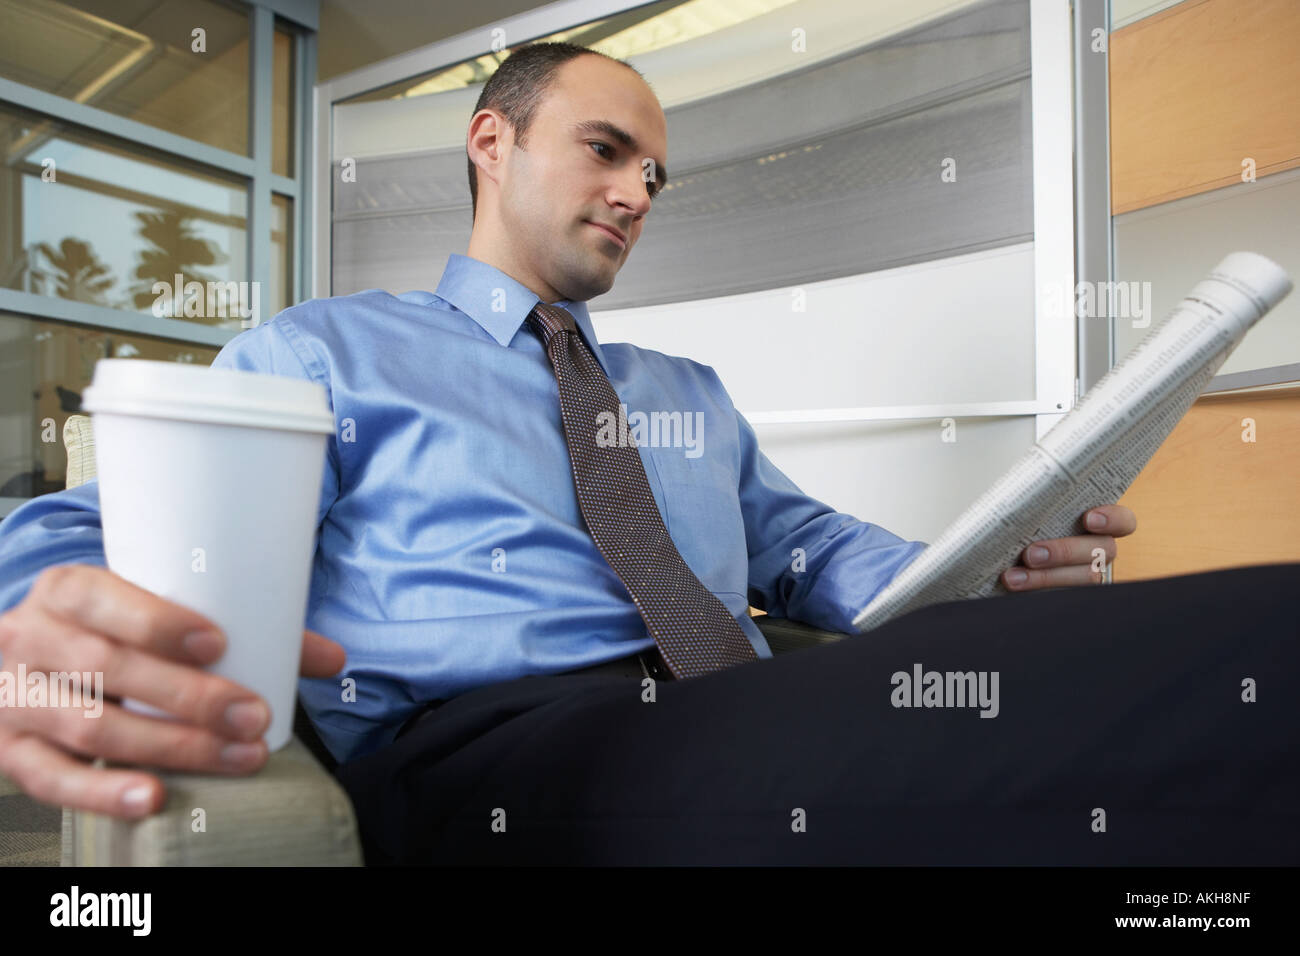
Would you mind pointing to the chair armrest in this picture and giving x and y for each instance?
(784, 635)
(79, 442)
(292, 812)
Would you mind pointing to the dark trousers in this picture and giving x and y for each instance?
(1151, 722)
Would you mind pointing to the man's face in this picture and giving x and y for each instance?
(570, 178)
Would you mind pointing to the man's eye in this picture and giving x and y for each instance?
(651, 187)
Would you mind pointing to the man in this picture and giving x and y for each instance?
(546, 630)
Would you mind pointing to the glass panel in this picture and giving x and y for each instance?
(181, 66)
(43, 368)
(282, 111)
(1164, 250)
(281, 291)
(89, 218)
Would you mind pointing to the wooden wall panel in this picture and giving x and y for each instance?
(1209, 500)
(1197, 88)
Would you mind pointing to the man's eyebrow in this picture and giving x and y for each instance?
(606, 128)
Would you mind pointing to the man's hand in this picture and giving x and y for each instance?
(1068, 562)
(80, 617)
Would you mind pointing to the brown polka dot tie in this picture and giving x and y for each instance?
(694, 631)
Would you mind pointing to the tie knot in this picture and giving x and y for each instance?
(546, 320)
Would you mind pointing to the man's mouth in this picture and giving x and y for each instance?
(610, 231)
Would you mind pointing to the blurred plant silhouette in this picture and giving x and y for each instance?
(78, 272)
(176, 250)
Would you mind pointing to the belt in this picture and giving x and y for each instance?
(647, 663)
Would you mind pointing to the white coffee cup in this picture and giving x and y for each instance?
(209, 485)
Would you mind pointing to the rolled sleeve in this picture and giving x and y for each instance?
(807, 561)
(59, 528)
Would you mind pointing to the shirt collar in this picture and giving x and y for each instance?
(471, 286)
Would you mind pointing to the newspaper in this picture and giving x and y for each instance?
(1094, 452)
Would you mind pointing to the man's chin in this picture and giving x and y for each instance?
(590, 285)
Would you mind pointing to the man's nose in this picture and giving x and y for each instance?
(636, 197)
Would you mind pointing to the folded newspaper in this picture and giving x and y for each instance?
(1094, 452)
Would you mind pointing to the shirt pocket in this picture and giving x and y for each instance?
(702, 513)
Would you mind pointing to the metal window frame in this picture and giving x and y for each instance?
(304, 151)
(1096, 254)
(302, 17)
(254, 169)
(1052, 111)
(261, 43)
(1053, 95)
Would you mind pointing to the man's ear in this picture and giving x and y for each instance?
(488, 139)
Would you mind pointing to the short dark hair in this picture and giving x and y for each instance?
(517, 87)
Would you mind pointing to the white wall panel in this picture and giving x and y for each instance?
(900, 475)
(953, 330)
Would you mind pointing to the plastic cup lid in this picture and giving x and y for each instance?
(176, 391)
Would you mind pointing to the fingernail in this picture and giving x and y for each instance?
(204, 646)
(1016, 576)
(1038, 553)
(240, 755)
(1096, 520)
(246, 716)
(137, 798)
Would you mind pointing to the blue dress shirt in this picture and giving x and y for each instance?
(451, 550)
